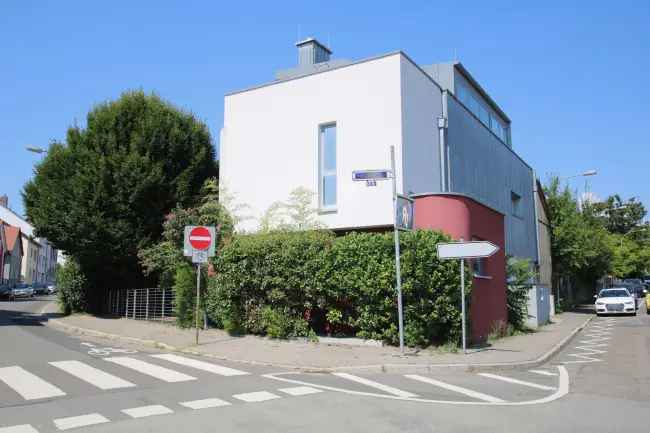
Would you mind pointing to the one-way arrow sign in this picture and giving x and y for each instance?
(466, 250)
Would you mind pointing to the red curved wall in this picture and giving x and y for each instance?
(465, 218)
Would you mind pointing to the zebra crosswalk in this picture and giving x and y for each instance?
(30, 385)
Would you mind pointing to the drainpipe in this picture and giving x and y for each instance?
(444, 154)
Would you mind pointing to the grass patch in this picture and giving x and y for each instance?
(502, 329)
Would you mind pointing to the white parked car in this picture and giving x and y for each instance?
(617, 300)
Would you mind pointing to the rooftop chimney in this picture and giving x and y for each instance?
(4, 201)
(310, 52)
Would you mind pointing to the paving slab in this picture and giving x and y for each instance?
(516, 351)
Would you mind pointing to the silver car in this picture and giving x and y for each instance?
(22, 291)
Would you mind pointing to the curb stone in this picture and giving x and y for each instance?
(373, 368)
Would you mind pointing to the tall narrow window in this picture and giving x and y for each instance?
(327, 163)
(516, 203)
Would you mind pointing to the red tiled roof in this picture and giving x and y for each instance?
(12, 234)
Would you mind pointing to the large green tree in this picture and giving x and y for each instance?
(619, 216)
(579, 242)
(103, 194)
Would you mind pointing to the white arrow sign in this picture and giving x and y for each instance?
(466, 250)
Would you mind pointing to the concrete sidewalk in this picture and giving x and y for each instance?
(523, 350)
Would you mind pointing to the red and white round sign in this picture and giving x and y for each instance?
(200, 238)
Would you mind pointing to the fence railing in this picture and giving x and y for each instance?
(142, 304)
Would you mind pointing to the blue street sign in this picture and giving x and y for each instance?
(404, 213)
(361, 175)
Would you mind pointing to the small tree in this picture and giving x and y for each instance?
(297, 213)
(520, 279)
(161, 259)
(184, 299)
(72, 286)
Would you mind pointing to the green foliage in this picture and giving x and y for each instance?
(72, 286)
(283, 323)
(619, 216)
(578, 242)
(631, 257)
(297, 213)
(161, 259)
(520, 275)
(184, 295)
(279, 269)
(102, 196)
(278, 283)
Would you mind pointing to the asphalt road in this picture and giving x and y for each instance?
(51, 382)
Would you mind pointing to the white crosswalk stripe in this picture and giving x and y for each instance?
(80, 421)
(92, 375)
(205, 403)
(517, 381)
(200, 365)
(28, 385)
(145, 411)
(468, 392)
(543, 372)
(300, 390)
(255, 397)
(152, 370)
(23, 428)
(377, 385)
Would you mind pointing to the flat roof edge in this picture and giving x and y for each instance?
(353, 63)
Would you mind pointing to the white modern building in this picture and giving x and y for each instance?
(317, 123)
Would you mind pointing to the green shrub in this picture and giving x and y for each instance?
(184, 294)
(276, 269)
(520, 275)
(292, 284)
(360, 282)
(72, 286)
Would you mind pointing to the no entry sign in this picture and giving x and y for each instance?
(199, 239)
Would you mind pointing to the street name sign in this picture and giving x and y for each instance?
(466, 250)
(364, 175)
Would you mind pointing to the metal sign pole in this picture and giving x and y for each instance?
(462, 302)
(400, 316)
(198, 298)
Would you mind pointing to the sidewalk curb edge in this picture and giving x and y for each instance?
(383, 368)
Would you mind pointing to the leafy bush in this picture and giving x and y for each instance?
(520, 275)
(72, 286)
(360, 280)
(290, 284)
(184, 295)
(160, 260)
(281, 270)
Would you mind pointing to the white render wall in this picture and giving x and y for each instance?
(269, 143)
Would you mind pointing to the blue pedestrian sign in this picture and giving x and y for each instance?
(404, 213)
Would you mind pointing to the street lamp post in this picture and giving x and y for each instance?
(36, 149)
(584, 174)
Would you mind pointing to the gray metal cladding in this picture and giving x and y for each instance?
(484, 168)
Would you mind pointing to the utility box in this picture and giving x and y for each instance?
(539, 306)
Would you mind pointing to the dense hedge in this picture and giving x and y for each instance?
(72, 285)
(298, 283)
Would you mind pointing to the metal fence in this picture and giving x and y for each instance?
(142, 304)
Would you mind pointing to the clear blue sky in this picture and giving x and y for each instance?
(571, 78)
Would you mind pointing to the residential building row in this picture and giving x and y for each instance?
(320, 121)
(25, 258)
